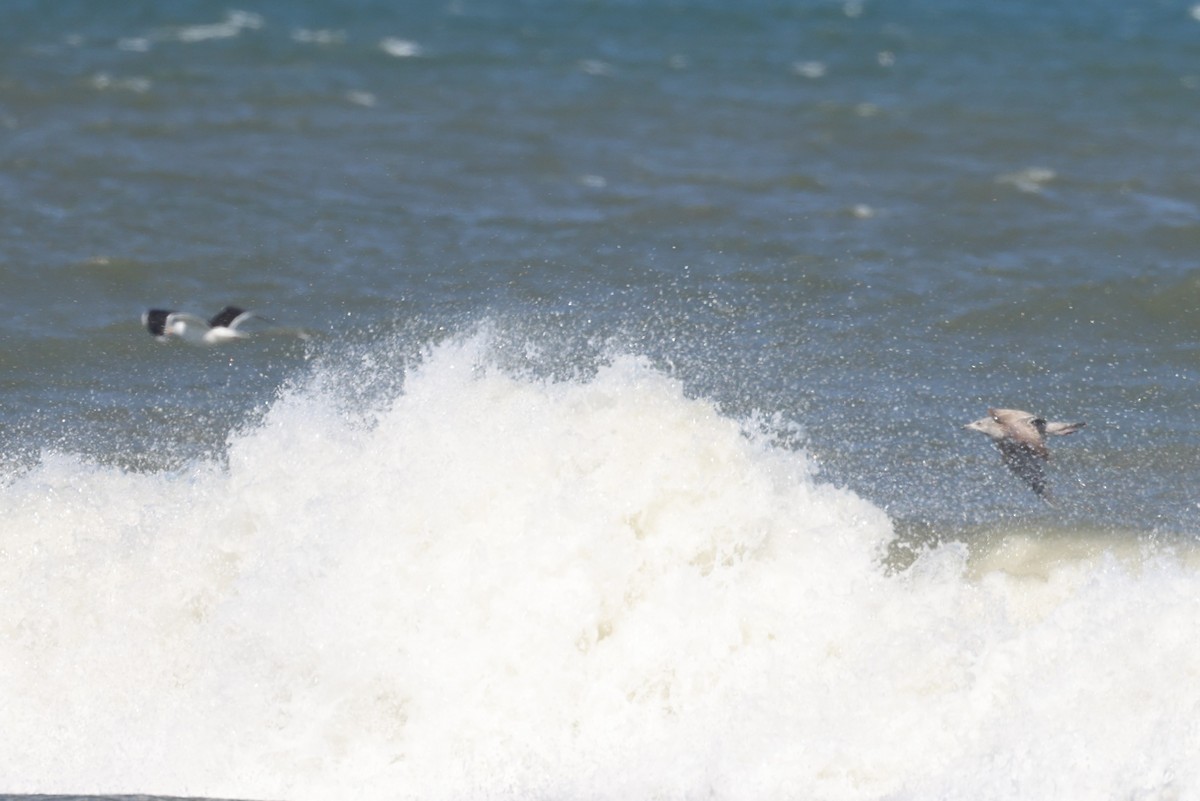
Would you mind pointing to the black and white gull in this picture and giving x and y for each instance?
(167, 324)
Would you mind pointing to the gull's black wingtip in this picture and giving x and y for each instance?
(155, 321)
(225, 317)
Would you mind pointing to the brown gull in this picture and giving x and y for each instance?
(1021, 438)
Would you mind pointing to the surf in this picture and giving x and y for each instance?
(486, 583)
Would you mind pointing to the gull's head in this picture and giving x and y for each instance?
(988, 426)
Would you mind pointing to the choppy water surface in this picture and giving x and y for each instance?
(625, 459)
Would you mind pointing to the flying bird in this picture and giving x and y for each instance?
(165, 324)
(1021, 438)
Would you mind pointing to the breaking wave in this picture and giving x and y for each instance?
(493, 585)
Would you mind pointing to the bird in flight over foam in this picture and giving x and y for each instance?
(225, 326)
(1021, 438)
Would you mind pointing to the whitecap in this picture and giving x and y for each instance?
(104, 82)
(134, 44)
(323, 37)
(1031, 179)
(400, 48)
(810, 69)
(234, 23)
(594, 66)
(360, 98)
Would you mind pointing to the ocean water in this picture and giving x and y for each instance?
(624, 456)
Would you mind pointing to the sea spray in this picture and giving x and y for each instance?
(492, 585)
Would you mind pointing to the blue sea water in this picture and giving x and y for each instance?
(624, 457)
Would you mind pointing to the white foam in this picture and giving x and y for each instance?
(596, 67)
(494, 586)
(1031, 179)
(400, 48)
(234, 24)
(361, 98)
(134, 44)
(321, 36)
(810, 69)
(105, 82)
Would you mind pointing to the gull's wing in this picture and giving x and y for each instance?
(187, 318)
(188, 327)
(231, 317)
(1026, 464)
(155, 321)
(226, 322)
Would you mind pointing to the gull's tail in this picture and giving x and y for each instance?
(1062, 429)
